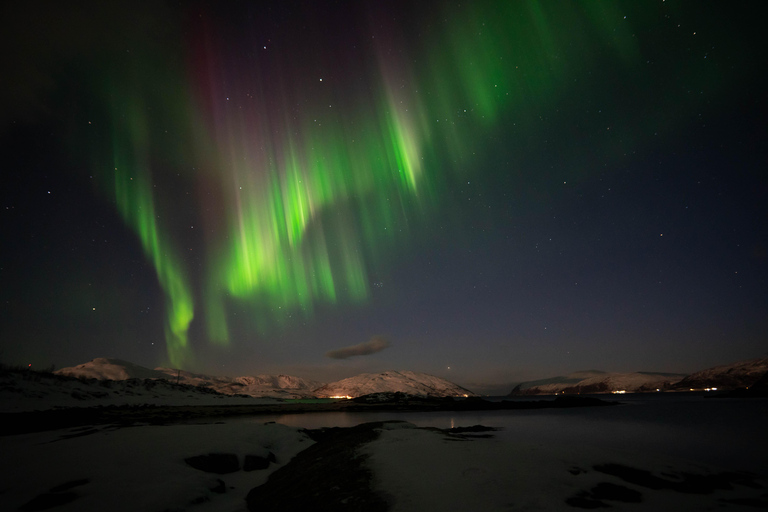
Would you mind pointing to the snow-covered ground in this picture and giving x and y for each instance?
(531, 468)
(139, 468)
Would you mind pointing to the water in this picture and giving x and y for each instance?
(723, 432)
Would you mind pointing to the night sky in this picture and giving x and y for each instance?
(489, 192)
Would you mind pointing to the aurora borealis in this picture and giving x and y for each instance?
(498, 187)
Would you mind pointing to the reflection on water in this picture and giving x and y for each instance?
(724, 432)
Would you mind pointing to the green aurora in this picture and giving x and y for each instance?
(308, 201)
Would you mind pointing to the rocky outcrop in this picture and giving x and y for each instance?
(330, 475)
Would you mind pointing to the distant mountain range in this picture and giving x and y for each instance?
(593, 381)
(276, 386)
(741, 374)
(412, 383)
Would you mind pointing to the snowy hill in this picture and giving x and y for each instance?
(598, 382)
(741, 374)
(412, 383)
(279, 386)
(561, 380)
(103, 368)
(22, 390)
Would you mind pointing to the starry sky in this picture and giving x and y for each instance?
(489, 192)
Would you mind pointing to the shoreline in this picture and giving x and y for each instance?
(127, 415)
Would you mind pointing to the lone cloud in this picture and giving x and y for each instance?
(376, 344)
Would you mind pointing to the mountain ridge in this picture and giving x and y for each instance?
(412, 383)
(739, 374)
(275, 386)
(735, 375)
(598, 382)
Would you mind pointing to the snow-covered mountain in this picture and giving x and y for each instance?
(22, 390)
(741, 374)
(103, 368)
(282, 386)
(594, 381)
(412, 383)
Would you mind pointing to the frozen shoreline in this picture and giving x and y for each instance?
(130, 453)
(385, 466)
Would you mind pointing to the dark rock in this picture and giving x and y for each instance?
(328, 476)
(219, 463)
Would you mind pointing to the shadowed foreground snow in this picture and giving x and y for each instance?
(140, 468)
(415, 469)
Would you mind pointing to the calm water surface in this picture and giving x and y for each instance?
(724, 432)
